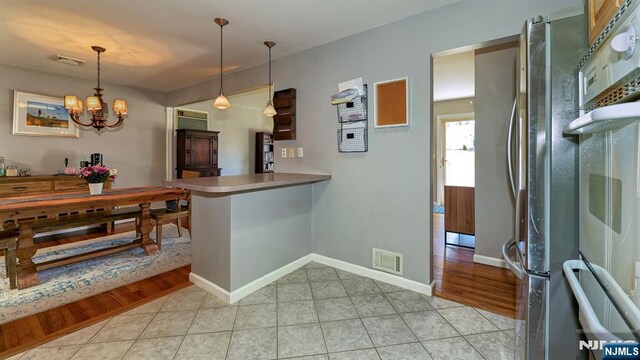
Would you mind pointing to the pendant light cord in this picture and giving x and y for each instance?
(221, 50)
(269, 75)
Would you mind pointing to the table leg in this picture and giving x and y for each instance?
(147, 244)
(27, 273)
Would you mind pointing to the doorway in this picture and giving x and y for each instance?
(237, 128)
(467, 159)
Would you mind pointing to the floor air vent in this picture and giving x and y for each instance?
(387, 261)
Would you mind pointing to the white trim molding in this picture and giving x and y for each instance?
(237, 295)
(491, 261)
(375, 274)
(251, 287)
(212, 288)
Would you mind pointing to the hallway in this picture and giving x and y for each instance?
(459, 279)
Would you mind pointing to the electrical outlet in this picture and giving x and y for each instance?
(300, 152)
(292, 152)
(284, 152)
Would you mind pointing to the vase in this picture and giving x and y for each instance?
(95, 189)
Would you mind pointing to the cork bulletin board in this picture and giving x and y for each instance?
(391, 103)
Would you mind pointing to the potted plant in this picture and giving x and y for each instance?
(96, 176)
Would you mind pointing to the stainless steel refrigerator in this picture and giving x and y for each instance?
(544, 176)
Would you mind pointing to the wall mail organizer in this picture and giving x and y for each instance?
(353, 120)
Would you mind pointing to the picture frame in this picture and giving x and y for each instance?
(41, 115)
(391, 103)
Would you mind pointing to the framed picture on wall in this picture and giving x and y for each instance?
(41, 115)
(391, 103)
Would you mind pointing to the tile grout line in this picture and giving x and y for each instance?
(359, 317)
(226, 355)
(190, 324)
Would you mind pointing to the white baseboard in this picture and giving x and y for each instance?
(269, 278)
(491, 261)
(207, 285)
(375, 274)
(250, 287)
(234, 296)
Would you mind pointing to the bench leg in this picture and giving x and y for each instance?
(10, 258)
(159, 235)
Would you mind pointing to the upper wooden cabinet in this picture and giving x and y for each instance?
(600, 13)
(284, 123)
(198, 151)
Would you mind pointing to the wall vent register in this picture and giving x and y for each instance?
(388, 261)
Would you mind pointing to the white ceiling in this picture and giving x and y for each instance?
(169, 44)
(454, 76)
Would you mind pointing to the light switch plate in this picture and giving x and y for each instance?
(284, 152)
(292, 152)
(300, 152)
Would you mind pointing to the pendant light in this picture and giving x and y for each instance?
(269, 110)
(221, 102)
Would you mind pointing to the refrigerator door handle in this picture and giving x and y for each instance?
(510, 148)
(511, 263)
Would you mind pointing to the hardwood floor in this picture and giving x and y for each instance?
(459, 279)
(31, 331)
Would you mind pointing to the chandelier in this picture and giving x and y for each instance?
(95, 106)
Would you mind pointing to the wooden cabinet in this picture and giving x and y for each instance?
(264, 152)
(284, 123)
(198, 151)
(35, 185)
(600, 14)
(459, 213)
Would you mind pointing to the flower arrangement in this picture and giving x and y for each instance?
(97, 174)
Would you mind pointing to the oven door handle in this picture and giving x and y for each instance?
(591, 323)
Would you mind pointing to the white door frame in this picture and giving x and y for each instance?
(169, 130)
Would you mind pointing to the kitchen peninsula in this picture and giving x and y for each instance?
(247, 226)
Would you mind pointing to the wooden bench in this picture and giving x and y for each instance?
(9, 243)
(85, 219)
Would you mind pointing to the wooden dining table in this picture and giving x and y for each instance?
(24, 210)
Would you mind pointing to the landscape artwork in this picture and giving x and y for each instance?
(41, 115)
(47, 115)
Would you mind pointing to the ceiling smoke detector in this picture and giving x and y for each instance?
(67, 60)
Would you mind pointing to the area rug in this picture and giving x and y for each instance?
(66, 284)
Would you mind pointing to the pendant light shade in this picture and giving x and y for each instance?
(269, 110)
(221, 102)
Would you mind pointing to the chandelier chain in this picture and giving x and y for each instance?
(98, 69)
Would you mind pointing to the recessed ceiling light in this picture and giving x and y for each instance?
(67, 60)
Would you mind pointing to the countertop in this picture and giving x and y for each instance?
(242, 183)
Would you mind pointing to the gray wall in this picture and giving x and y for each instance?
(380, 198)
(238, 126)
(495, 91)
(137, 149)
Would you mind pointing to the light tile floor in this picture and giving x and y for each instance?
(313, 313)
